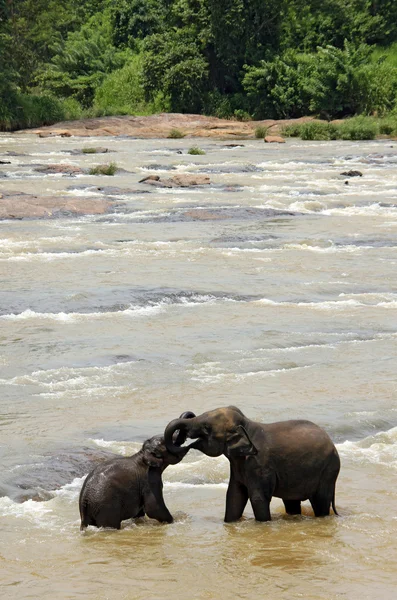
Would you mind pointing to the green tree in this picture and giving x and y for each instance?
(174, 65)
(82, 61)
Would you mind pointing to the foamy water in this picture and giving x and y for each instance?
(273, 289)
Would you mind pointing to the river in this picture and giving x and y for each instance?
(273, 289)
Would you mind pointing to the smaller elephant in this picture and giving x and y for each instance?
(130, 487)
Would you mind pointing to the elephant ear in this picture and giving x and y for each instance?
(238, 443)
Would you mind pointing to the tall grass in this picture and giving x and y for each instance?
(175, 134)
(196, 151)
(389, 54)
(261, 132)
(109, 169)
(28, 110)
(356, 128)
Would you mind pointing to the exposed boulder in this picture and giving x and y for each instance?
(274, 139)
(18, 205)
(182, 180)
(62, 169)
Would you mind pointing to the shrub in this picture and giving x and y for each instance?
(293, 130)
(109, 169)
(388, 126)
(260, 132)
(195, 150)
(318, 130)
(89, 150)
(358, 128)
(72, 109)
(27, 110)
(241, 115)
(175, 134)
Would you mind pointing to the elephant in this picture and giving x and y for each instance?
(292, 460)
(130, 487)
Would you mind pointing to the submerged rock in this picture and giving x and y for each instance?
(18, 205)
(88, 150)
(39, 481)
(108, 190)
(352, 173)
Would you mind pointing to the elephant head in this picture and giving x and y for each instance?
(220, 431)
(155, 452)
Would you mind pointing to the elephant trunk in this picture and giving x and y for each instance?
(180, 436)
(180, 425)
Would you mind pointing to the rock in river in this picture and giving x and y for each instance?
(63, 169)
(17, 205)
(352, 173)
(177, 180)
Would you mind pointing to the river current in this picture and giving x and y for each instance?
(273, 289)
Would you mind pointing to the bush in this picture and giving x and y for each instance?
(241, 115)
(358, 128)
(109, 169)
(260, 132)
(27, 110)
(388, 126)
(293, 130)
(72, 109)
(318, 130)
(175, 134)
(195, 150)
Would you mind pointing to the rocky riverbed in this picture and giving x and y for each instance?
(160, 126)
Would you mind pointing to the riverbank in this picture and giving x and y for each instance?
(162, 125)
(176, 125)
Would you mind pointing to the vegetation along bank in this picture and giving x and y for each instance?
(231, 59)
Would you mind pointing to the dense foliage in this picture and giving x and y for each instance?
(242, 58)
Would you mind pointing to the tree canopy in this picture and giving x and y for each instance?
(244, 58)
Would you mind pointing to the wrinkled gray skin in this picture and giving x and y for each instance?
(130, 487)
(292, 460)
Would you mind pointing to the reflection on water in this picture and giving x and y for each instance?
(273, 289)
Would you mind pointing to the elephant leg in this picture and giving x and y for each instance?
(153, 501)
(236, 500)
(260, 495)
(292, 507)
(260, 502)
(140, 514)
(155, 508)
(321, 504)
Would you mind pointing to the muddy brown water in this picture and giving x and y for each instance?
(273, 289)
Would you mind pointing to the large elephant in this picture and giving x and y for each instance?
(292, 460)
(130, 487)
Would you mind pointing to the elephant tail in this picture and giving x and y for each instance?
(333, 505)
